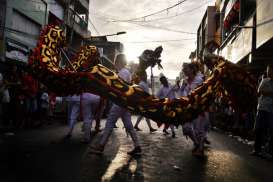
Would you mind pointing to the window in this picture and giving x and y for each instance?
(231, 18)
(247, 9)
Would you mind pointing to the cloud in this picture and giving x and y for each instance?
(176, 52)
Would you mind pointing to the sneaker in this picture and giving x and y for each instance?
(135, 151)
(137, 128)
(165, 131)
(152, 130)
(115, 126)
(96, 150)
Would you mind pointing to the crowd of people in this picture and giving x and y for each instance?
(34, 105)
(25, 103)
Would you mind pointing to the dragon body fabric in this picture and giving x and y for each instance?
(227, 78)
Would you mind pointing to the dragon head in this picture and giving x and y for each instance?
(150, 58)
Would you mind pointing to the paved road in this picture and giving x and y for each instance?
(42, 155)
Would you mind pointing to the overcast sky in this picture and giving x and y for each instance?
(141, 35)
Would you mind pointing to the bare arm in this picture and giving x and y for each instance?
(264, 89)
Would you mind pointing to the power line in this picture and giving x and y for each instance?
(176, 15)
(174, 40)
(155, 27)
(112, 20)
(96, 30)
(89, 20)
(161, 28)
(154, 13)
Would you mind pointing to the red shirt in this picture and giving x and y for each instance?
(30, 85)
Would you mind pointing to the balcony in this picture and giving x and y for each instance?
(78, 22)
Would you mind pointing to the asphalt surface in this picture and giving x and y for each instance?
(44, 155)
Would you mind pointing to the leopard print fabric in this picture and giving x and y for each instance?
(229, 79)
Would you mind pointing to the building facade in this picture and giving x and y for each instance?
(238, 30)
(206, 33)
(263, 53)
(22, 20)
(108, 50)
(238, 33)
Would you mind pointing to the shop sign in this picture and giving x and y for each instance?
(16, 51)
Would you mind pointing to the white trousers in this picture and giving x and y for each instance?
(88, 112)
(73, 111)
(115, 113)
(197, 129)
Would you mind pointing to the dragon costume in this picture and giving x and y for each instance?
(228, 79)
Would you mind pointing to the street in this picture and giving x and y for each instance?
(44, 155)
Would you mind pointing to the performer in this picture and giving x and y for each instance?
(142, 82)
(229, 79)
(89, 106)
(73, 111)
(166, 91)
(197, 129)
(119, 112)
(99, 113)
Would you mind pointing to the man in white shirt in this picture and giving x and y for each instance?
(142, 82)
(119, 112)
(73, 111)
(89, 105)
(264, 118)
(166, 91)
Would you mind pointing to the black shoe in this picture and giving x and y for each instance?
(115, 126)
(68, 136)
(96, 150)
(195, 147)
(135, 151)
(255, 153)
(85, 141)
(206, 141)
(137, 128)
(173, 135)
(152, 130)
(97, 130)
(165, 131)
